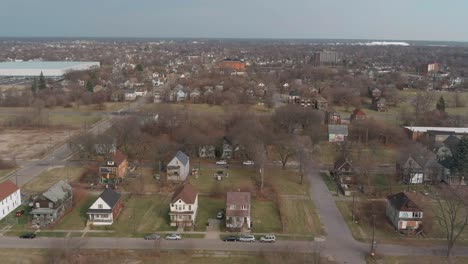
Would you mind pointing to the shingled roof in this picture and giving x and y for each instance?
(182, 157)
(401, 202)
(58, 191)
(186, 193)
(6, 188)
(110, 197)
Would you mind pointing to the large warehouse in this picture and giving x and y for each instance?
(50, 69)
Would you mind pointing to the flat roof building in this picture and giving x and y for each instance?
(50, 69)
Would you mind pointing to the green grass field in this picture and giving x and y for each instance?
(207, 208)
(265, 217)
(301, 218)
(237, 178)
(76, 219)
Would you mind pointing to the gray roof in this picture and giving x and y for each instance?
(110, 196)
(338, 129)
(182, 157)
(59, 191)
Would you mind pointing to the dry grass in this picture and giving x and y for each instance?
(51, 176)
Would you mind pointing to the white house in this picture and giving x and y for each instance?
(130, 95)
(105, 209)
(179, 167)
(238, 210)
(403, 213)
(181, 96)
(183, 206)
(10, 198)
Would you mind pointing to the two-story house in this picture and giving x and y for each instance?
(418, 168)
(183, 206)
(238, 210)
(114, 169)
(105, 209)
(178, 168)
(52, 204)
(343, 169)
(10, 198)
(403, 213)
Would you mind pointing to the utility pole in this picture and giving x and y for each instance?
(353, 214)
(372, 253)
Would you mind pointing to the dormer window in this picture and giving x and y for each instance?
(99, 206)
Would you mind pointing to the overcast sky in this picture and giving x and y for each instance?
(350, 19)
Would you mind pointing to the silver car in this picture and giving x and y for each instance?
(152, 237)
(173, 237)
(247, 238)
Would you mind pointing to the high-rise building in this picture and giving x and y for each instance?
(326, 58)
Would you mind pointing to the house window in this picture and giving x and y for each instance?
(38, 205)
(190, 208)
(417, 215)
(51, 205)
(232, 207)
(190, 217)
(244, 207)
(99, 206)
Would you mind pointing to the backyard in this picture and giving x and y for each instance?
(51, 176)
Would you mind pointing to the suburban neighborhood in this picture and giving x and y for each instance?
(233, 150)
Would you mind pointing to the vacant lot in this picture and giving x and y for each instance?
(76, 219)
(142, 214)
(208, 207)
(265, 217)
(301, 217)
(27, 144)
(236, 177)
(51, 176)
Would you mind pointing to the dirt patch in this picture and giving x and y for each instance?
(29, 144)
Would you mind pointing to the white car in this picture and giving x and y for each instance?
(173, 237)
(221, 162)
(268, 238)
(247, 238)
(248, 163)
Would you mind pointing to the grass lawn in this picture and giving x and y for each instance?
(18, 223)
(76, 219)
(287, 182)
(415, 260)
(4, 173)
(238, 177)
(142, 214)
(301, 218)
(142, 184)
(73, 121)
(43, 256)
(331, 184)
(49, 177)
(265, 217)
(207, 208)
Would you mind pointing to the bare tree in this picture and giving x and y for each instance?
(452, 215)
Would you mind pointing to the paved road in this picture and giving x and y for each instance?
(29, 170)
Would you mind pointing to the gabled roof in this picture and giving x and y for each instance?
(58, 192)
(238, 198)
(186, 193)
(451, 142)
(338, 129)
(6, 188)
(110, 197)
(401, 202)
(340, 162)
(182, 157)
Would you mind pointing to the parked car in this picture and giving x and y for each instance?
(268, 238)
(19, 213)
(231, 239)
(28, 235)
(248, 163)
(220, 215)
(173, 237)
(152, 237)
(247, 238)
(221, 162)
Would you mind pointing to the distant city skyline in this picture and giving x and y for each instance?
(299, 19)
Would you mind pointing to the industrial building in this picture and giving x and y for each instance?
(50, 69)
(326, 58)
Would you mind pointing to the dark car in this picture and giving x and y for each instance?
(19, 213)
(152, 237)
(231, 239)
(28, 235)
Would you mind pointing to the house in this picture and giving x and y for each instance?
(195, 95)
(130, 95)
(403, 213)
(320, 103)
(333, 118)
(180, 95)
(344, 170)
(294, 97)
(375, 93)
(337, 133)
(238, 210)
(114, 169)
(357, 115)
(380, 105)
(207, 152)
(183, 206)
(52, 204)
(228, 149)
(10, 198)
(418, 168)
(105, 209)
(179, 167)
